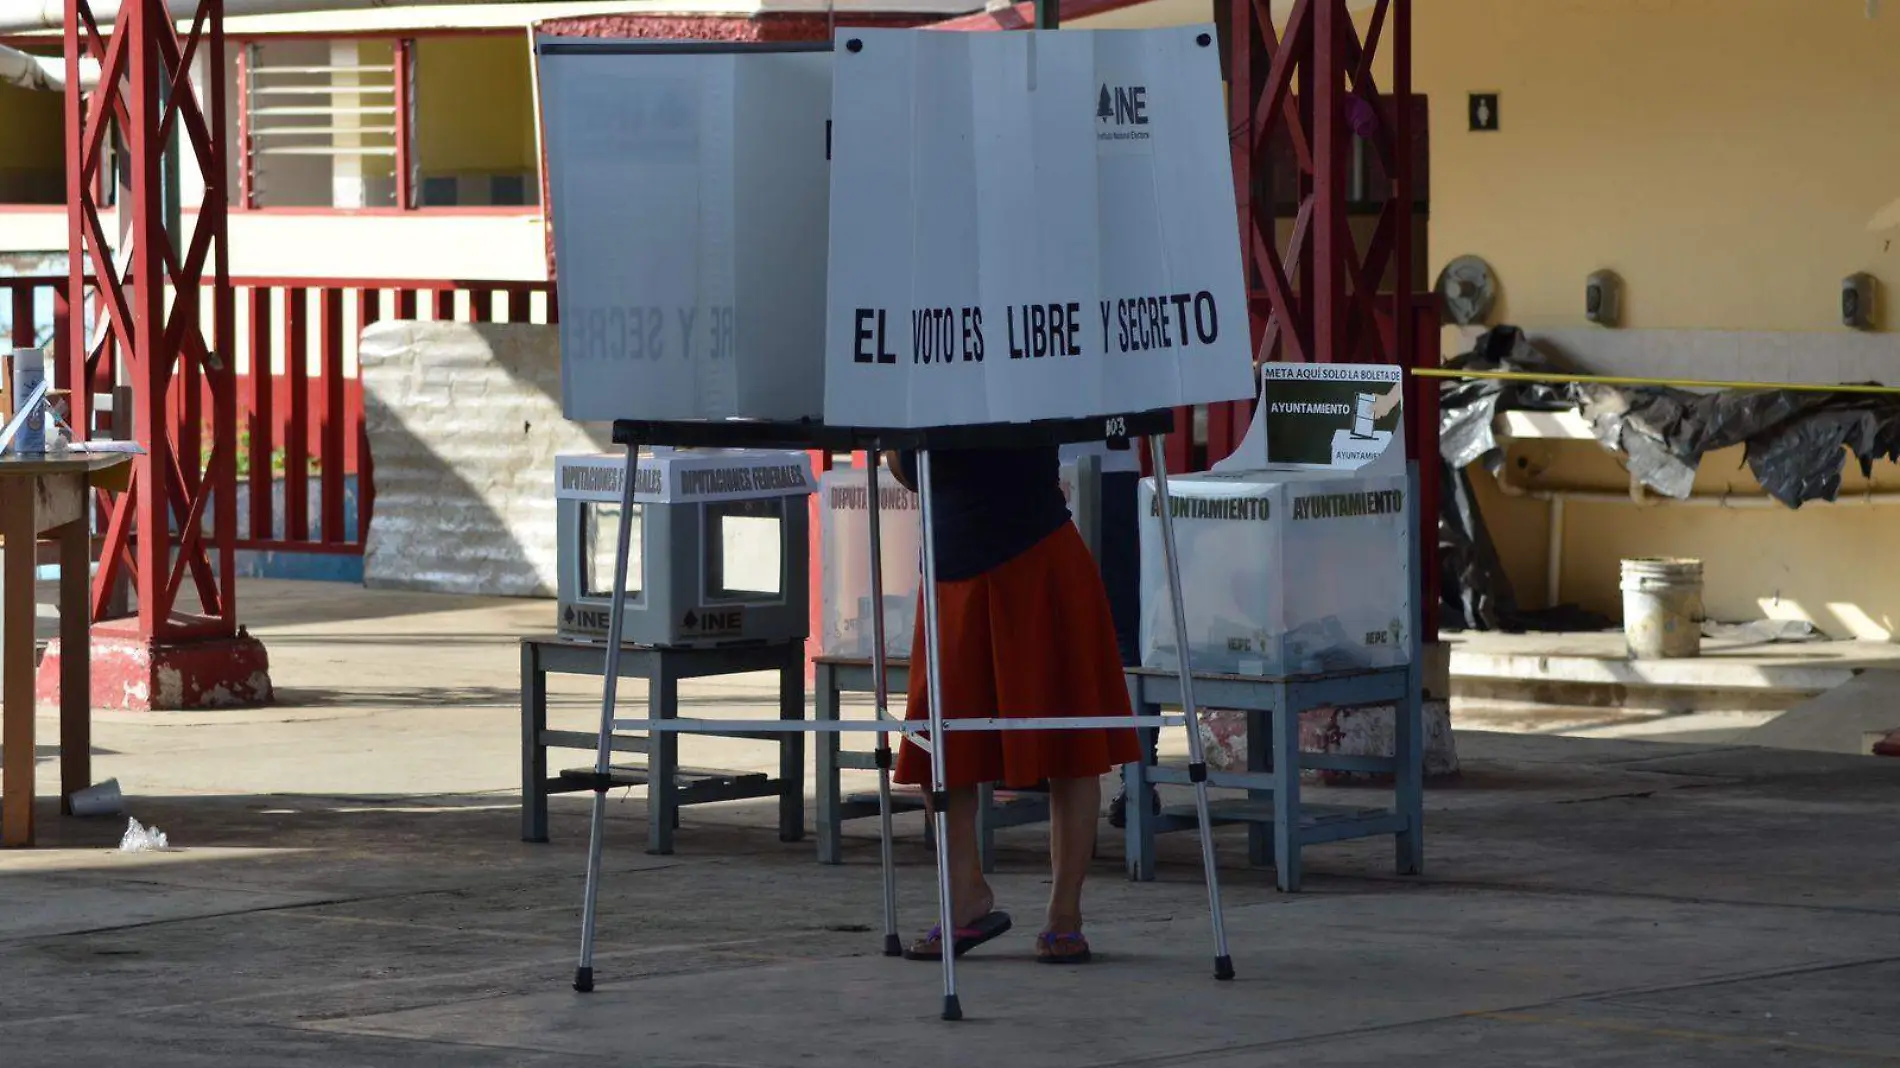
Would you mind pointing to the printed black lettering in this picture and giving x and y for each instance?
(946, 334)
(1206, 319)
(1072, 319)
(964, 321)
(1121, 318)
(977, 318)
(1181, 302)
(1038, 331)
(884, 354)
(1105, 337)
(862, 334)
(1015, 351)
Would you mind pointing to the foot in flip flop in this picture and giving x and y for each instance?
(990, 925)
(1062, 947)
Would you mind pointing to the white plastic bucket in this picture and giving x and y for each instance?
(1662, 607)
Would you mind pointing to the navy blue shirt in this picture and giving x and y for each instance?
(989, 506)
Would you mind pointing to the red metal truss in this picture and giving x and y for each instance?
(1303, 92)
(152, 293)
(1300, 94)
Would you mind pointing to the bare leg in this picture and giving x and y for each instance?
(970, 893)
(1074, 807)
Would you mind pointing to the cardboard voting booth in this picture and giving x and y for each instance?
(1009, 227)
(1030, 226)
(689, 194)
(1293, 552)
(911, 232)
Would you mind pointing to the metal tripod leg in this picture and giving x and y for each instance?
(933, 672)
(584, 974)
(1197, 760)
(893, 947)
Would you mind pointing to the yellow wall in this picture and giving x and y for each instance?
(474, 105)
(1724, 156)
(32, 146)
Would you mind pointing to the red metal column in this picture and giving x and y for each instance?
(153, 291)
(246, 145)
(1322, 297)
(1319, 294)
(403, 57)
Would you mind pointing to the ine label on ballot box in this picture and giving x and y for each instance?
(970, 286)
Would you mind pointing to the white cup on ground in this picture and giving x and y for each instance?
(102, 799)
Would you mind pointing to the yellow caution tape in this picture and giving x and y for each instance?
(1624, 380)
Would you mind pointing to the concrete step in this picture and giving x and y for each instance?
(1592, 670)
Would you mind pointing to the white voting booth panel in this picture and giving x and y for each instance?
(689, 198)
(1030, 226)
(845, 552)
(1293, 551)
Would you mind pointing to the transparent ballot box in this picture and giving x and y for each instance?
(1282, 572)
(844, 541)
(718, 544)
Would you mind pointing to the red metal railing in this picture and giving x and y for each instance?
(300, 404)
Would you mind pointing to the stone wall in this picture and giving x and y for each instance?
(464, 421)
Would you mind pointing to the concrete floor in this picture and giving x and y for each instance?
(349, 890)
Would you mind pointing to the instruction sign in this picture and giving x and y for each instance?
(1030, 226)
(688, 194)
(1327, 416)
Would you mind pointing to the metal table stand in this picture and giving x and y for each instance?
(670, 786)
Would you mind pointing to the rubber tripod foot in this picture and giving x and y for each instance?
(584, 980)
(952, 1008)
(1223, 968)
(893, 946)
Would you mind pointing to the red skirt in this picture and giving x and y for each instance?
(1031, 638)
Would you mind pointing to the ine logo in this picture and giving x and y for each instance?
(1121, 117)
(1124, 105)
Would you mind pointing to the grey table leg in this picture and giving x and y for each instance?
(830, 821)
(791, 747)
(534, 755)
(1286, 785)
(1408, 745)
(1140, 819)
(1263, 754)
(663, 698)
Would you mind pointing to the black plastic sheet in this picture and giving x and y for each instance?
(1794, 443)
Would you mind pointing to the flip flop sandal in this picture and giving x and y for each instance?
(984, 928)
(1056, 947)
